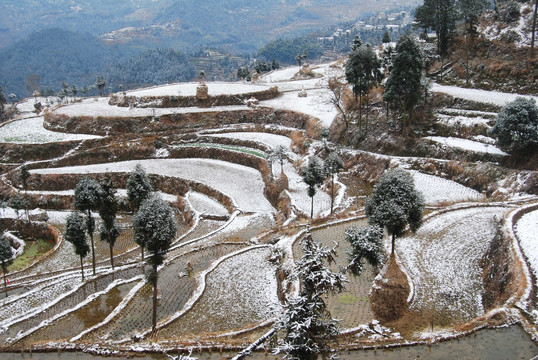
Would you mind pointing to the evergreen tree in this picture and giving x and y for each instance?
(403, 87)
(3, 101)
(469, 11)
(440, 16)
(395, 203)
(18, 202)
(333, 164)
(6, 258)
(139, 188)
(313, 175)
(362, 72)
(516, 127)
(109, 230)
(386, 37)
(357, 43)
(88, 195)
(156, 224)
(365, 245)
(75, 233)
(307, 323)
(278, 154)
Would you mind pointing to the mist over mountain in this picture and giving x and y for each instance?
(234, 25)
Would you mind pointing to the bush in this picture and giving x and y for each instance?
(516, 128)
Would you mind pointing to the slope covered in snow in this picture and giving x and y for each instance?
(241, 183)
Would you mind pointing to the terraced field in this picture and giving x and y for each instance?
(222, 282)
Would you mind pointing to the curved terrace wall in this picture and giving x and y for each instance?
(173, 122)
(15, 153)
(171, 101)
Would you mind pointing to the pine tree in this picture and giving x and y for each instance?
(3, 101)
(156, 224)
(357, 42)
(362, 72)
(386, 37)
(278, 154)
(313, 175)
(109, 230)
(333, 164)
(365, 245)
(307, 323)
(75, 233)
(139, 188)
(403, 88)
(6, 258)
(395, 203)
(88, 195)
(440, 16)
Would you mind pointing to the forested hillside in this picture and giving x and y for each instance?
(52, 57)
(235, 25)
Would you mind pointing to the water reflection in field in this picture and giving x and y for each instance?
(501, 344)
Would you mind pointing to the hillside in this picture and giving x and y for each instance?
(242, 216)
(58, 56)
(236, 25)
(497, 57)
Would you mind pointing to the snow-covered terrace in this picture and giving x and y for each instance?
(243, 184)
(31, 131)
(100, 107)
(483, 96)
(465, 144)
(189, 89)
(267, 139)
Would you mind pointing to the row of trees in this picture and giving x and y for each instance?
(154, 222)
(403, 86)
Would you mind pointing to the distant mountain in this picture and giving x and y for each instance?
(234, 25)
(57, 56)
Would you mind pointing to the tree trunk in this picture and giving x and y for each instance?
(154, 316)
(311, 208)
(91, 239)
(367, 110)
(142, 248)
(82, 269)
(533, 38)
(111, 256)
(5, 279)
(332, 192)
(393, 243)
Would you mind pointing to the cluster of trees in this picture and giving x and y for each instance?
(441, 16)
(154, 223)
(286, 51)
(364, 70)
(317, 171)
(306, 325)
(260, 67)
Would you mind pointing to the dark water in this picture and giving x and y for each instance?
(501, 344)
